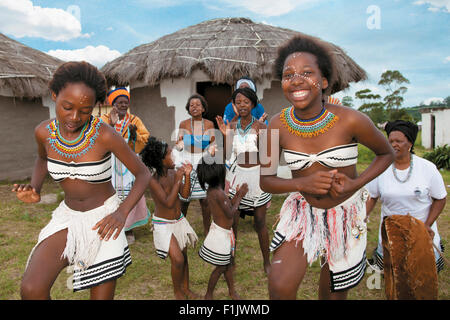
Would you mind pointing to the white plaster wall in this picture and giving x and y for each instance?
(261, 86)
(442, 128)
(177, 91)
(48, 102)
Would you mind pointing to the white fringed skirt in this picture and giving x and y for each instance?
(163, 229)
(218, 247)
(95, 261)
(255, 197)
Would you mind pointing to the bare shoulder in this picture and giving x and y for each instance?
(108, 137)
(208, 124)
(217, 195)
(349, 115)
(41, 132)
(106, 131)
(275, 121)
(184, 123)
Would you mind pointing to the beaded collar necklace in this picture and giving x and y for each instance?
(247, 128)
(78, 146)
(308, 128)
(394, 170)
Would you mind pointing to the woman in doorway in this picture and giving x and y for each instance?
(324, 214)
(86, 230)
(230, 109)
(194, 137)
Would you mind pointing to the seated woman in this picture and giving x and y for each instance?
(324, 214)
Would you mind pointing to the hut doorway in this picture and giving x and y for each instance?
(433, 131)
(218, 95)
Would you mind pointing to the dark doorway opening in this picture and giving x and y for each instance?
(433, 131)
(218, 95)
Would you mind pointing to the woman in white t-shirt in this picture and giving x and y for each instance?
(411, 185)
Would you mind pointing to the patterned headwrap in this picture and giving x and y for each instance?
(408, 128)
(118, 92)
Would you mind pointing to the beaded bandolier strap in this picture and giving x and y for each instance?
(308, 128)
(77, 147)
(123, 125)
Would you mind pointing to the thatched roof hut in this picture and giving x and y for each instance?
(208, 58)
(225, 49)
(24, 102)
(24, 70)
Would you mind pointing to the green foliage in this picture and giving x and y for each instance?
(365, 155)
(388, 108)
(347, 101)
(371, 105)
(440, 156)
(400, 114)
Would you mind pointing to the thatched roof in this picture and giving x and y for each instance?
(24, 70)
(225, 49)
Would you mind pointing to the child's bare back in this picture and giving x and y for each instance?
(164, 208)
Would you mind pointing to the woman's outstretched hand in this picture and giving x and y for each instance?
(222, 126)
(26, 193)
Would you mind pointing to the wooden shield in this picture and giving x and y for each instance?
(409, 263)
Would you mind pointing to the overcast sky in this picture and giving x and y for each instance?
(406, 35)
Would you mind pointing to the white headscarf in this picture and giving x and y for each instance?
(249, 82)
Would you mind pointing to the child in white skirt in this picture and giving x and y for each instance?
(172, 233)
(218, 247)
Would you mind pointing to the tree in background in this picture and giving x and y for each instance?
(347, 101)
(389, 108)
(393, 81)
(371, 105)
(447, 101)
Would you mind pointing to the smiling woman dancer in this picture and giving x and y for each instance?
(195, 137)
(86, 230)
(324, 214)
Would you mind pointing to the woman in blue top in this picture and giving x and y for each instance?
(195, 135)
(257, 111)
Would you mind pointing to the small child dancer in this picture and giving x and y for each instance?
(219, 244)
(172, 232)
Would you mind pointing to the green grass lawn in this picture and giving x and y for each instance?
(149, 276)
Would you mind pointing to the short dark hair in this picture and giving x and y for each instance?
(153, 154)
(211, 174)
(79, 71)
(247, 92)
(202, 100)
(302, 43)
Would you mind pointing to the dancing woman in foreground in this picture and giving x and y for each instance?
(86, 230)
(324, 214)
